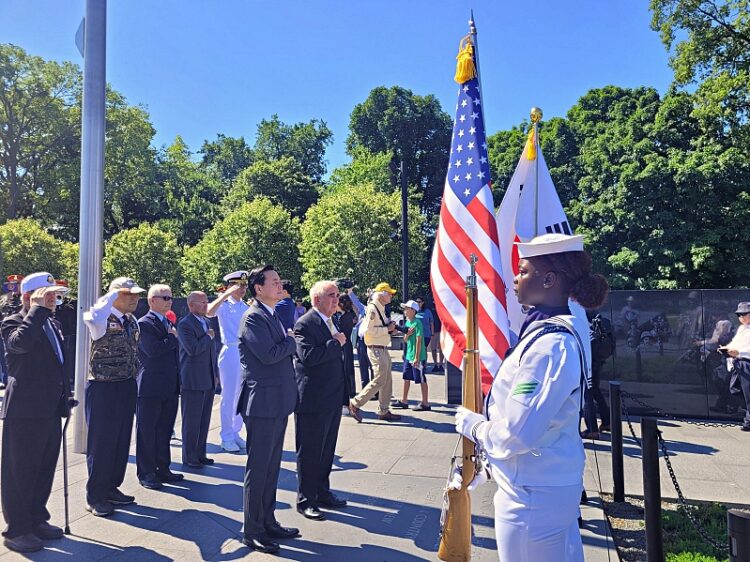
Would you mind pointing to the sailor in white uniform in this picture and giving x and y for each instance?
(229, 308)
(529, 432)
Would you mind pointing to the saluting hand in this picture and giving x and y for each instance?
(45, 298)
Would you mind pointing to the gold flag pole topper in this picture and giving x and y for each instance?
(455, 521)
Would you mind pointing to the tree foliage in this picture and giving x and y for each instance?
(226, 156)
(25, 247)
(282, 181)
(305, 142)
(366, 167)
(347, 235)
(414, 129)
(146, 254)
(258, 232)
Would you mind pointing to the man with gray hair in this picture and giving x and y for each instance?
(158, 391)
(321, 382)
(111, 393)
(377, 330)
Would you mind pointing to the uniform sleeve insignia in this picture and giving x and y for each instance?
(525, 387)
(525, 392)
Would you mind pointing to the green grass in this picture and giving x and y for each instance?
(682, 543)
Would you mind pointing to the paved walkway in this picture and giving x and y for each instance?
(391, 473)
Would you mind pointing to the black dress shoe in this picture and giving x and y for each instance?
(745, 427)
(279, 532)
(100, 509)
(150, 481)
(48, 532)
(332, 501)
(207, 461)
(261, 544)
(194, 464)
(24, 543)
(312, 512)
(169, 476)
(116, 497)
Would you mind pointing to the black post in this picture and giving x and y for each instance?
(651, 490)
(404, 236)
(738, 527)
(618, 470)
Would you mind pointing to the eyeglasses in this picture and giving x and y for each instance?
(165, 297)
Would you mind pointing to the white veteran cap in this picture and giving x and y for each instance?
(35, 281)
(237, 277)
(550, 244)
(120, 283)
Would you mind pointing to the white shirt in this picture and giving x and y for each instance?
(230, 315)
(96, 317)
(532, 436)
(740, 342)
(331, 326)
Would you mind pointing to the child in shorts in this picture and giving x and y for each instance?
(416, 355)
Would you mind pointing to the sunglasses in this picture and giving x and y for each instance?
(739, 314)
(166, 298)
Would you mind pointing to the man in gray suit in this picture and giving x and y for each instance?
(199, 375)
(268, 396)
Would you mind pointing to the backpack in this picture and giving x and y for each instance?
(602, 338)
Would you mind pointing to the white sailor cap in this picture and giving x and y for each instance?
(35, 281)
(550, 244)
(237, 277)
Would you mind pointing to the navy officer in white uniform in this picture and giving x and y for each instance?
(229, 308)
(530, 428)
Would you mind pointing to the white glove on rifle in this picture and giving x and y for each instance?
(467, 422)
(457, 480)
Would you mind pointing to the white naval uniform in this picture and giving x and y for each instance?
(230, 314)
(534, 449)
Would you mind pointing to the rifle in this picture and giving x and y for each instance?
(455, 532)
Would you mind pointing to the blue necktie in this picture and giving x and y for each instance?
(49, 330)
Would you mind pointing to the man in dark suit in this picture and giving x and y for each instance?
(323, 393)
(199, 375)
(36, 398)
(268, 396)
(158, 391)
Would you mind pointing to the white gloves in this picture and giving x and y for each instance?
(457, 480)
(466, 420)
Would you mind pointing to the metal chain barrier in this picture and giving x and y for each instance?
(683, 505)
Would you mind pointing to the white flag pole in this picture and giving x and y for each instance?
(92, 197)
(536, 116)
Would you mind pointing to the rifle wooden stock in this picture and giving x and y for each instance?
(455, 542)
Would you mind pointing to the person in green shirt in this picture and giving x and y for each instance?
(416, 355)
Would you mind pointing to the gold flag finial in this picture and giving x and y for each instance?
(536, 116)
(465, 67)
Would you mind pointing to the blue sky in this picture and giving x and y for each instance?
(203, 67)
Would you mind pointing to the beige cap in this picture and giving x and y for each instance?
(125, 283)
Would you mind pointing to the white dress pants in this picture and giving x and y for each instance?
(229, 374)
(538, 523)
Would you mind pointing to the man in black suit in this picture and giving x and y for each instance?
(36, 398)
(268, 396)
(158, 391)
(199, 375)
(322, 390)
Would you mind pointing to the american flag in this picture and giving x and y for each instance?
(467, 226)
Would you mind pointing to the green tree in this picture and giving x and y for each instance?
(282, 181)
(305, 142)
(227, 156)
(37, 134)
(366, 167)
(258, 232)
(192, 195)
(414, 128)
(146, 254)
(347, 234)
(25, 247)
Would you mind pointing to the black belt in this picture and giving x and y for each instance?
(377, 346)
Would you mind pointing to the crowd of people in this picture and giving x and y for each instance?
(276, 358)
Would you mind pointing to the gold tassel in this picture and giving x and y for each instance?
(530, 146)
(465, 69)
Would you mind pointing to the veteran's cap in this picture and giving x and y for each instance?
(550, 244)
(125, 283)
(743, 308)
(38, 280)
(384, 287)
(237, 277)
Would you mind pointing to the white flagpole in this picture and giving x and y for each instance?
(536, 116)
(92, 197)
